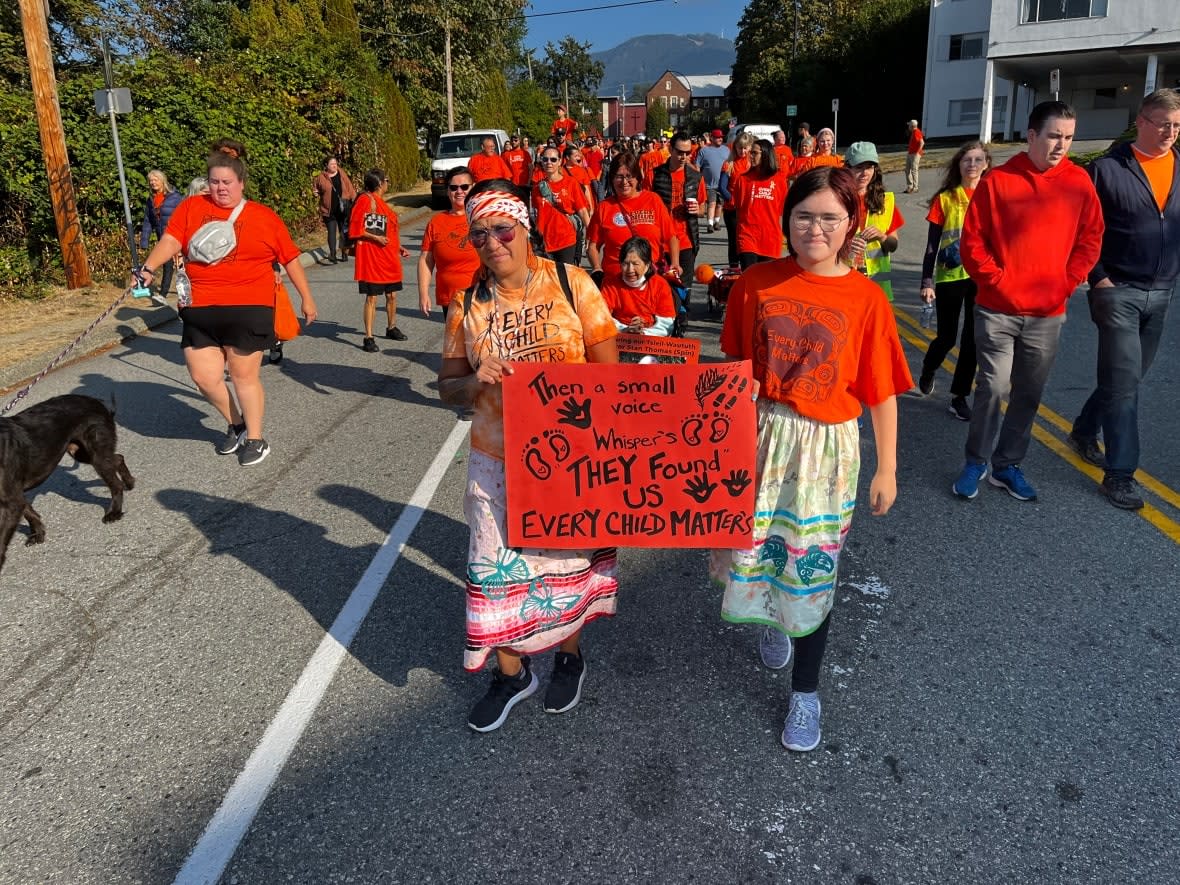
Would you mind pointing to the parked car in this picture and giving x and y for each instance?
(455, 149)
(758, 130)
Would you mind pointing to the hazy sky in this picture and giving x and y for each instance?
(606, 28)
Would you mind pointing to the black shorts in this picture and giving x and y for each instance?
(372, 290)
(249, 329)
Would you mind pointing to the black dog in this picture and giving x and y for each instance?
(33, 442)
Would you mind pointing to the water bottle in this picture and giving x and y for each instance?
(926, 320)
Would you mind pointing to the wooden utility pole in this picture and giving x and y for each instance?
(450, 83)
(34, 20)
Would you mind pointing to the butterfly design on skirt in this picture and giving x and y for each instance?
(812, 561)
(542, 602)
(494, 576)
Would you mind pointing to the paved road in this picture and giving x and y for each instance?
(1000, 690)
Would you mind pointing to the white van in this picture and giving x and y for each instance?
(757, 130)
(455, 149)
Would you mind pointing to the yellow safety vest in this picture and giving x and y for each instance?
(948, 266)
(877, 265)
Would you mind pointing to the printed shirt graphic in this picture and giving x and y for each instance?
(519, 164)
(821, 345)
(246, 276)
(759, 203)
(534, 324)
(455, 261)
(375, 263)
(648, 217)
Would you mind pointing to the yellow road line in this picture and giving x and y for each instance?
(920, 339)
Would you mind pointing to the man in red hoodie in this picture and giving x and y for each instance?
(1032, 233)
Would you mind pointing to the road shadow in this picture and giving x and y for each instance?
(165, 409)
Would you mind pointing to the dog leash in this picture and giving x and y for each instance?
(61, 356)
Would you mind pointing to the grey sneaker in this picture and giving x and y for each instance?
(1122, 492)
(235, 436)
(565, 685)
(504, 693)
(253, 451)
(1087, 448)
(774, 647)
(801, 732)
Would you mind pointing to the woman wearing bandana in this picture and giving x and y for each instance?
(520, 601)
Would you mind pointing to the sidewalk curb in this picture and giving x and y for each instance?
(122, 330)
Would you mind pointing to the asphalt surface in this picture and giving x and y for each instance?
(1000, 688)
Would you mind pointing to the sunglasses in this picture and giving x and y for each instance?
(681, 153)
(550, 159)
(458, 187)
(478, 236)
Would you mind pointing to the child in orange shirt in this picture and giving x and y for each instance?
(823, 342)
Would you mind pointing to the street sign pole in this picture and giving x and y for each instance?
(835, 124)
(1055, 83)
(121, 103)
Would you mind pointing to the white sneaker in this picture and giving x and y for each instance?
(801, 731)
(774, 647)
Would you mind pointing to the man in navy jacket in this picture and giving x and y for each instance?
(1130, 287)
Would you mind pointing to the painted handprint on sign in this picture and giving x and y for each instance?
(574, 414)
(737, 482)
(699, 488)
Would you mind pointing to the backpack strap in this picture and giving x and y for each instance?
(564, 278)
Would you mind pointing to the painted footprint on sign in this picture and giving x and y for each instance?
(536, 460)
(727, 396)
(718, 427)
(694, 426)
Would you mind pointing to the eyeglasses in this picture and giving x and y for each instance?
(478, 236)
(1164, 127)
(550, 159)
(803, 221)
(458, 187)
(626, 178)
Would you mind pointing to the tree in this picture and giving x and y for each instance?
(532, 109)
(494, 108)
(569, 65)
(657, 118)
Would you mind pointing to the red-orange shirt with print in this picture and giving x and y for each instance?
(653, 299)
(375, 263)
(615, 222)
(821, 345)
(246, 276)
(483, 167)
(556, 229)
(759, 203)
(519, 164)
(455, 259)
(735, 169)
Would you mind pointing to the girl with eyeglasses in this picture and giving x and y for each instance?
(823, 342)
(630, 212)
(561, 211)
(445, 249)
(518, 310)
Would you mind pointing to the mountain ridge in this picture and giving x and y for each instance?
(639, 60)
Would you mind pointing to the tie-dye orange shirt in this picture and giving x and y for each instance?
(533, 324)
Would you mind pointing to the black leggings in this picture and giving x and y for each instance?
(809, 657)
(166, 271)
(730, 216)
(746, 259)
(949, 298)
(337, 228)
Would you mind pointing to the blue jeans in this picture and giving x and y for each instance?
(1130, 322)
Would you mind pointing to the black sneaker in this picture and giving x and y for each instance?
(370, 345)
(253, 451)
(276, 353)
(504, 693)
(235, 437)
(959, 408)
(1122, 492)
(395, 333)
(1089, 450)
(926, 385)
(565, 685)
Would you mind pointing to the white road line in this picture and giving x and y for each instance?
(236, 813)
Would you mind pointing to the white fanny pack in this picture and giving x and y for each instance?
(214, 240)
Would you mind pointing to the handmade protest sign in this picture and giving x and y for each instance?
(633, 348)
(631, 456)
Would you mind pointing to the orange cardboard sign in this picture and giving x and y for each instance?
(619, 455)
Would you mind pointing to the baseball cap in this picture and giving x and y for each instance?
(861, 152)
(717, 133)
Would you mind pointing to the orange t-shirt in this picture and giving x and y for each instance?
(483, 167)
(916, 139)
(556, 229)
(593, 158)
(935, 216)
(649, 218)
(519, 164)
(375, 263)
(759, 203)
(735, 169)
(455, 259)
(158, 200)
(581, 175)
(653, 299)
(533, 324)
(821, 345)
(246, 276)
(1159, 171)
(815, 161)
(563, 129)
(649, 161)
(784, 156)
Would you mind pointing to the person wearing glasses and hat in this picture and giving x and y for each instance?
(880, 219)
(518, 309)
